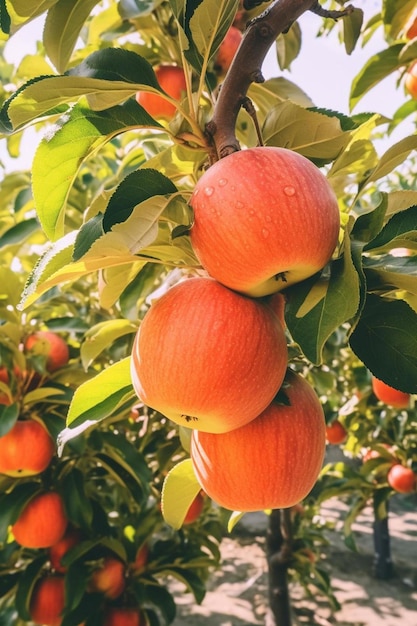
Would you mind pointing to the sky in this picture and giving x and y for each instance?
(323, 70)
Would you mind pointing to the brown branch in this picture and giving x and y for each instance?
(246, 68)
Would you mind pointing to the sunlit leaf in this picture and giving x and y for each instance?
(179, 490)
(101, 336)
(375, 69)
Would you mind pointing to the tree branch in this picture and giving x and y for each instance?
(246, 68)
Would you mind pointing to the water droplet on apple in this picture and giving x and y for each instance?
(222, 182)
(289, 191)
(209, 191)
(265, 233)
(268, 218)
(239, 205)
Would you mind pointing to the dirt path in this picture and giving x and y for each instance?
(237, 594)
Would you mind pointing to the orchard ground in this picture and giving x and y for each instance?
(238, 592)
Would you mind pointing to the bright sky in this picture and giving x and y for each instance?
(323, 70)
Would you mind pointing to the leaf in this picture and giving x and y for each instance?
(77, 503)
(288, 46)
(129, 9)
(101, 336)
(97, 398)
(19, 233)
(209, 23)
(265, 94)
(26, 584)
(316, 307)
(368, 225)
(62, 28)
(8, 417)
(352, 26)
(394, 157)
(5, 21)
(31, 8)
(400, 230)
(385, 339)
(179, 490)
(389, 273)
(375, 69)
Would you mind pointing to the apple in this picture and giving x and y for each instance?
(227, 50)
(141, 558)
(48, 344)
(26, 449)
(47, 601)
(277, 302)
(388, 395)
(270, 463)
(42, 522)
(411, 31)
(124, 616)
(264, 219)
(402, 479)
(411, 80)
(172, 80)
(72, 537)
(207, 357)
(336, 432)
(195, 510)
(109, 578)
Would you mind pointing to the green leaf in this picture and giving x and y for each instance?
(368, 225)
(179, 490)
(394, 157)
(191, 580)
(318, 306)
(352, 26)
(8, 417)
(399, 231)
(288, 46)
(390, 273)
(62, 28)
(5, 21)
(26, 584)
(129, 9)
(31, 8)
(77, 503)
(375, 69)
(97, 398)
(101, 336)
(19, 233)
(385, 340)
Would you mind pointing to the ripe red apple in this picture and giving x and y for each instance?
(109, 578)
(196, 508)
(410, 82)
(172, 80)
(336, 432)
(264, 218)
(141, 558)
(411, 31)
(42, 522)
(389, 395)
(207, 357)
(270, 463)
(48, 601)
(227, 49)
(123, 616)
(402, 479)
(72, 537)
(49, 345)
(27, 449)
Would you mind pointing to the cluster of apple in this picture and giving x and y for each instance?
(211, 353)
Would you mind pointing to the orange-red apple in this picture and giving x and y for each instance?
(123, 616)
(387, 394)
(207, 357)
(336, 432)
(270, 463)
(141, 558)
(27, 449)
(195, 510)
(410, 82)
(227, 49)
(109, 578)
(47, 601)
(5, 398)
(42, 522)
(72, 537)
(264, 218)
(402, 479)
(172, 80)
(411, 31)
(48, 344)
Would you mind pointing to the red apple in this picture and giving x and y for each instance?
(411, 80)
(389, 395)
(227, 49)
(402, 479)
(27, 449)
(411, 31)
(48, 601)
(123, 616)
(264, 218)
(72, 537)
(42, 522)
(207, 357)
(49, 345)
(336, 432)
(270, 463)
(172, 80)
(109, 578)
(5, 398)
(195, 510)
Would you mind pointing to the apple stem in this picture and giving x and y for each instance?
(245, 69)
(250, 109)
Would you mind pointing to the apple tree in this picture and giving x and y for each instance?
(102, 227)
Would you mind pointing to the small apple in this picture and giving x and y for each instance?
(411, 80)
(207, 357)
(335, 432)
(47, 601)
(172, 80)
(124, 616)
(402, 479)
(72, 538)
(264, 219)
(141, 558)
(109, 578)
(389, 395)
(227, 50)
(270, 463)
(42, 522)
(26, 450)
(411, 30)
(195, 510)
(49, 345)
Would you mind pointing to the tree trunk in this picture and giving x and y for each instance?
(382, 568)
(278, 550)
